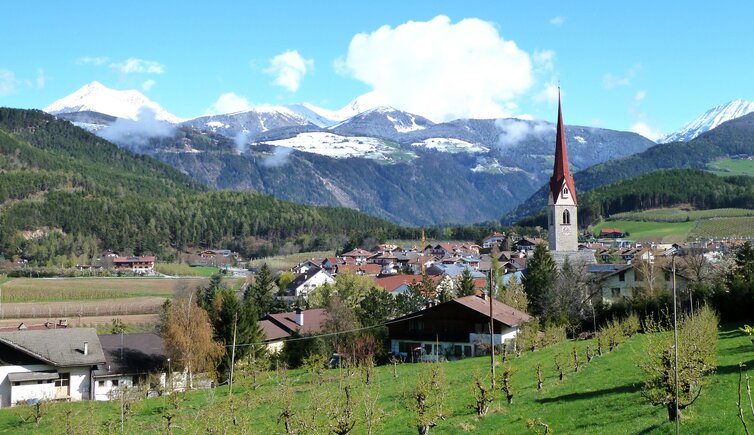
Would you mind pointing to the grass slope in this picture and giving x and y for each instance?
(604, 397)
(729, 167)
(642, 230)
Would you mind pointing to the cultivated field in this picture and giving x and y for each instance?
(173, 269)
(740, 227)
(83, 289)
(71, 298)
(285, 262)
(678, 215)
(604, 397)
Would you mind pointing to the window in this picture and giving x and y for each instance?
(566, 217)
(565, 190)
(63, 380)
(114, 382)
(622, 276)
(616, 292)
(101, 384)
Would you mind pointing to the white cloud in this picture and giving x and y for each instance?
(147, 85)
(558, 21)
(646, 130)
(289, 68)
(442, 70)
(640, 96)
(610, 80)
(41, 78)
(97, 61)
(228, 103)
(135, 65)
(548, 94)
(8, 82)
(544, 59)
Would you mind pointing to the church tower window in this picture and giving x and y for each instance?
(566, 217)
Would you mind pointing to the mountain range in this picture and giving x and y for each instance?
(367, 156)
(733, 138)
(709, 120)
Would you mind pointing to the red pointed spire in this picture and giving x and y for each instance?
(560, 170)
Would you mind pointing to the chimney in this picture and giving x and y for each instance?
(86, 348)
(299, 316)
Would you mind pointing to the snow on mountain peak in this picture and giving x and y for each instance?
(96, 97)
(710, 119)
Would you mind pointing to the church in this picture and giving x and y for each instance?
(562, 206)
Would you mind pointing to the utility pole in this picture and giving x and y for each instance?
(492, 334)
(675, 350)
(233, 352)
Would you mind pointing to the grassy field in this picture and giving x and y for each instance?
(285, 262)
(603, 397)
(667, 232)
(173, 269)
(732, 167)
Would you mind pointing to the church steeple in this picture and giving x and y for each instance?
(560, 172)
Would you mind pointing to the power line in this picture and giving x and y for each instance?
(330, 334)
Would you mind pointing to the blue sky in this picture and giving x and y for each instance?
(644, 66)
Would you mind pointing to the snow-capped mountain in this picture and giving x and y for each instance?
(96, 97)
(711, 119)
(384, 122)
(250, 122)
(361, 104)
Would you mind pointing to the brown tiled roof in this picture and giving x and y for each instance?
(313, 321)
(358, 253)
(367, 269)
(500, 312)
(272, 331)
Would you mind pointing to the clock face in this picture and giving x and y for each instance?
(565, 229)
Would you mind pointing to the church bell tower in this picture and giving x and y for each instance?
(562, 208)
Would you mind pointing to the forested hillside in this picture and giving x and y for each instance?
(64, 190)
(735, 137)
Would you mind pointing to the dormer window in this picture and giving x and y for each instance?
(565, 191)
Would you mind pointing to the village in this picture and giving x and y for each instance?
(459, 300)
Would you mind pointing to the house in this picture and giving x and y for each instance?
(612, 233)
(493, 239)
(48, 364)
(279, 327)
(305, 282)
(130, 359)
(357, 256)
(135, 264)
(621, 281)
(529, 243)
(359, 269)
(211, 253)
(454, 329)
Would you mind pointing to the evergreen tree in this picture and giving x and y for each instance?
(260, 293)
(466, 284)
(208, 295)
(233, 315)
(540, 279)
(736, 299)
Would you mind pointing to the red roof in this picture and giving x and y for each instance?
(390, 283)
(560, 172)
(273, 331)
(611, 231)
(367, 269)
(358, 253)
